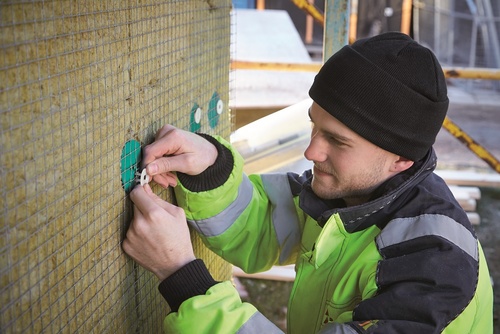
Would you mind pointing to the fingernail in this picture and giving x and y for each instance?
(152, 168)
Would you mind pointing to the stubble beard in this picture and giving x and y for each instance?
(332, 187)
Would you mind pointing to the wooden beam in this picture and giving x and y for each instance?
(290, 67)
(449, 72)
(465, 178)
(406, 16)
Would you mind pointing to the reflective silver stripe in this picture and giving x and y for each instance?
(404, 229)
(285, 220)
(258, 324)
(219, 223)
(336, 328)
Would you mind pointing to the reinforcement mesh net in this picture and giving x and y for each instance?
(83, 86)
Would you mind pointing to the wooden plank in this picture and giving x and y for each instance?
(277, 273)
(464, 198)
(474, 218)
(469, 204)
(472, 192)
(467, 178)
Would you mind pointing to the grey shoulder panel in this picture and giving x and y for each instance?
(404, 229)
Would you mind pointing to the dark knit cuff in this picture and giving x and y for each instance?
(191, 280)
(214, 176)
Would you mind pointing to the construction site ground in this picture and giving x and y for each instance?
(478, 114)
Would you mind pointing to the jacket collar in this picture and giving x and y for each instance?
(359, 217)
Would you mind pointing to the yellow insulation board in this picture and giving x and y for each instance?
(78, 79)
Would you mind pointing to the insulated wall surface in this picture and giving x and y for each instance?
(79, 81)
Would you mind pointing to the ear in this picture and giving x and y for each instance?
(401, 164)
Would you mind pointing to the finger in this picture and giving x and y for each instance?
(172, 179)
(127, 248)
(169, 207)
(166, 180)
(152, 195)
(161, 147)
(155, 150)
(174, 163)
(162, 180)
(142, 200)
(137, 213)
(146, 201)
(131, 232)
(164, 130)
(148, 190)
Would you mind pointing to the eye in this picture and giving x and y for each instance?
(334, 140)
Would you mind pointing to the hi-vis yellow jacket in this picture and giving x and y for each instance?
(408, 261)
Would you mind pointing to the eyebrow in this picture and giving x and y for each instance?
(337, 136)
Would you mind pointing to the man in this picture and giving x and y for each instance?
(379, 243)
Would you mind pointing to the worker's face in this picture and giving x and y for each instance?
(345, 164)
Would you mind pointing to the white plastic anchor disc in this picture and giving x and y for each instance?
(220, 106)
(142, 178)
(197, 115)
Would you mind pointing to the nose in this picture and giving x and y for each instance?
(314, 151)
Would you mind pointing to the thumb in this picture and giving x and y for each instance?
(174, 163)
(169, 207)
(159, 166)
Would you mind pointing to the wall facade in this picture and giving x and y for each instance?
(78, 81)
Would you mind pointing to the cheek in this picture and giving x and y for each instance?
(343, 160)
(349, 166)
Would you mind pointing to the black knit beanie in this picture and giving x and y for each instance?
(388, 89)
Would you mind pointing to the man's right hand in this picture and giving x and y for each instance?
(158, 237)
(176, 150)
